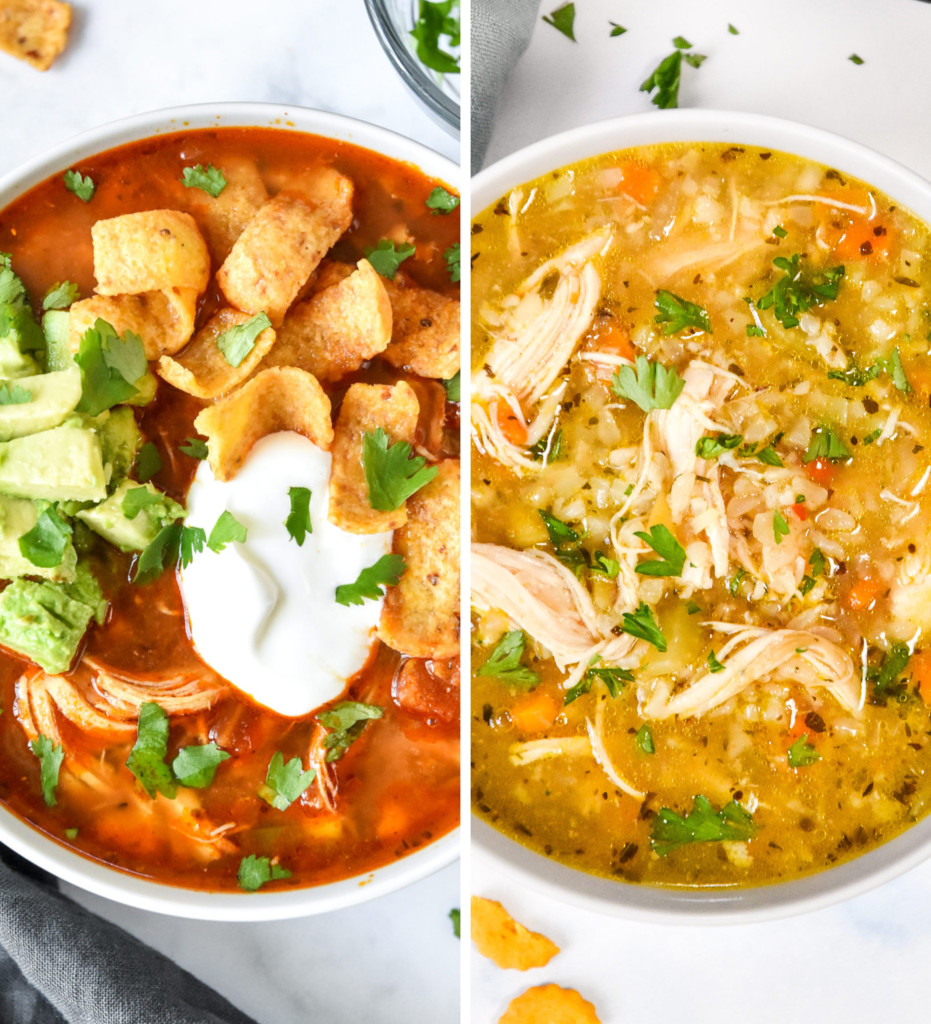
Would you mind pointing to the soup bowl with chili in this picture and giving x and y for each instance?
(700, 686)
(229, 663)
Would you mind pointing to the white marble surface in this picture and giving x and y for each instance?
(863, 960)
(394, 960)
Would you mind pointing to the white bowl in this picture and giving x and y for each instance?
(712, 905)
(34, 845)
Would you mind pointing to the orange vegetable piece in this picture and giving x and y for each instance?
(550, 1004)
(852, 235)
(920, 666)
(821, 471)
(799, 509)
(864, 594)
(639, 182)
(512, 426)
(534, 713)
(505, 941)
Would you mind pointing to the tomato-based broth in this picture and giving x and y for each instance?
(283, 800)
(700, 491)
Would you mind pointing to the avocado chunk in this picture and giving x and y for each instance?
(46, 622)
(119, 441)
(61, 464)
(145, 387)
(57, 354)
(13, 363)
(18, 516)
(132, 525)
(50, 397)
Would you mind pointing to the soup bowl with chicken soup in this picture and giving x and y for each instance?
(701, 488)
(229, 620)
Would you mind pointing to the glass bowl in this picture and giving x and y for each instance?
(437, 93)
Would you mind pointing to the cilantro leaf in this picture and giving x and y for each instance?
(196, 447)
(82, 186)
(616, 30)
(681, 43)
(802, 753)
(855, 58)
(386, 259)
(368, 586)
(651, 387)
(714, 665)
(255, 871)
(701, 825)
(239, 341)
(347, 722)
(434, 21)
(712, 447)
(441, 201)
(548, 449)
(195, 766)
(148, 462)
(208, 179)
(60, 295)
(694, 60)
(110, 367)
(147, 758)
(676, 314)
(563, 20)
(672, 555)
(453, 389)
(454, 916)
(193, 539)
(298, 523)
(226, 530)
(14, 394)
(733, 31)
(50, 759)
(780, 526)
(665, 79)
(613, 679)
(452, 256)
(825, 444)
(644, 739)
(642, 625)
(172, 542)
(892, 666)
(603, 566)
(137, 498)
(390, 472)
(285, 781)
(45, 544)
(764, 453)
(504, 662)
(797, 291)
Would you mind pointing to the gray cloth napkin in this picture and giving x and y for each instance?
(60, 963)
(501, 30)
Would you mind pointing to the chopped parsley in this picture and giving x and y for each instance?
(733, 584)
(504, 662)
(255, 871)
(60, 295)
(825, 444)
(548, 449)
(147, 758)
(797, 291)
(285, 781)
(616, 30)
(855, 58)
(676, 314)
(436, 20)
(712, 447)
(780, 526)
(208, 179)
(110, 367)
(565, 541)
(386, 258)
(693, 608)
(563, 20)
(601, 565)
(148, 462)
(872, 436)
(347, 722)
(818, 564)
(652, 386)
(695, 60)
(50, 759)
(196, 447)
(452, 257)
(239, 341)
(892, 666)
(81, 185)
(672, 555)
(701, 825)
(454, 916)
(368, 585)
(441, 201)
(642, 625)
(779, 231)
(391, 473)
(714, 666)
(196, 766)
(453, 389)
(856, 375)
(802, 753)
(665, 79)
(733, 31)
(226, 530)
(644, 739)
(298, 523)
(45, 544)
(613, 679)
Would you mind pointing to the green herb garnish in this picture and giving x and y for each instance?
(285, 781)
(651, 387)
(714, 665)
(255, 871)
(855, 58)
(641, 624)
(454, 916)
(347, 722)
(14, 394)
(676, 314)
(50, 759)
(453, 390)
(171, 543)
(391, 473)
(110, 367)
(797, 291)
(441, 201)
(616, 30)
(802, 753)
(644, 739)
(504, 662)
(452, 257)
(82, 186)
(226, 530)
(563, 19)
(147, 758)
(208, 179)
(386, 258)
(298, 523)
(196, 447)
(45, 544)
(196, 766)
(436, 20)
(368, 585)
(780, 526)
(239, 341)
(672, 555)
(60, 295)
(701, 825)
(825, 444)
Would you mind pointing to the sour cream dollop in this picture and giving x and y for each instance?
(263, 613)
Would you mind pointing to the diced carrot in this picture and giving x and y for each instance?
(864, 594)
(534, 713)
(854, 235)
(608, 334)
(821, 471)
(393, 819)
(512, 426)
(920, 667)
(799, 509)
(639, 182)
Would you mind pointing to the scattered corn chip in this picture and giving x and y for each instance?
(506, 942)
(425, 335)
(420, 616)
(282, 245)
(150, 251)
(164, 320)
(337, 328)
(365, 408)
(202, 369)
(549, 1004)
(282, 398)
(35, 31)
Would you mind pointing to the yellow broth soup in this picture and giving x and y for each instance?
(701, 494)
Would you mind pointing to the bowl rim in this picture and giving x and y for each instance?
(46, 851)
(718, 905)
